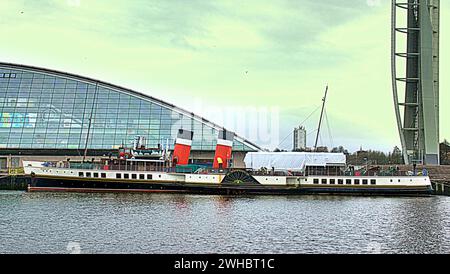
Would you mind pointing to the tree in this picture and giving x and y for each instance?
(340, 149)
(444, 149)
(396, 156)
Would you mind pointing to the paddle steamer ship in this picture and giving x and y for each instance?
(156, 170)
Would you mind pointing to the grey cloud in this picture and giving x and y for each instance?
(313, 18)
(171, 24)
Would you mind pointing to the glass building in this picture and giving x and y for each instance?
(42, 109)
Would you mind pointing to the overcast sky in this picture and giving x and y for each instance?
(227, 60)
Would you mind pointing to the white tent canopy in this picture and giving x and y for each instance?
(293, 161)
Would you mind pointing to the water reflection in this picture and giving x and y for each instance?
(180, 202)
(421, 227)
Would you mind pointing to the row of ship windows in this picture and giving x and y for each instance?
(118, 175)
(92, 174)
(347, 181)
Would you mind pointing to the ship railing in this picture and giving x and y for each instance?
(368, 174)
(380, 173)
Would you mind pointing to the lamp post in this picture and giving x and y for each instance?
(366, 159)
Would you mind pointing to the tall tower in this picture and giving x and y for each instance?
(299, 138)
(415, 25)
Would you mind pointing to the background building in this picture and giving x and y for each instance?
(444, 148)
(50, 114)
(299, 139)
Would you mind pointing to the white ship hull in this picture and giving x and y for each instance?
(235, 182)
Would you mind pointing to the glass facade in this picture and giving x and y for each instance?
(43, 109)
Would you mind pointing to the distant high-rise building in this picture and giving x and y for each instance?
(299, 138)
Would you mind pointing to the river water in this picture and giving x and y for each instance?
(163, 223)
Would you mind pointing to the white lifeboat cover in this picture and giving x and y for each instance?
(294, 161)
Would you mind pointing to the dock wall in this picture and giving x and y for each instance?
(441, 188)
(14, 182)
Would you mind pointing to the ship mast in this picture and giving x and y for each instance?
(324, 99)
(90, 123)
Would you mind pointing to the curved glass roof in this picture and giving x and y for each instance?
(42, 108)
